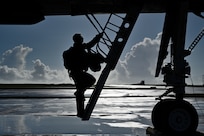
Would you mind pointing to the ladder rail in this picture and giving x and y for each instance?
(92, 23)
(105, 39)
(98, 49)
(113, 28)
(103, 29)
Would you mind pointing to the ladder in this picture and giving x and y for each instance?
(114, 50)
(196, 40)
(109, 31)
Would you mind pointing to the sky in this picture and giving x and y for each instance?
(33, 53)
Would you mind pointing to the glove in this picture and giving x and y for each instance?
(99, 35)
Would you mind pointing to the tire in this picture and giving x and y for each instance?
(175, 117)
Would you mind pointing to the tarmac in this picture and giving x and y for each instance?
(119, 111)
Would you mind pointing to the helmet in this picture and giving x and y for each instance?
(77, 38)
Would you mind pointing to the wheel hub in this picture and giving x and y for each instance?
(179, 119)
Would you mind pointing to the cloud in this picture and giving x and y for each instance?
(42, 72)
(139, 63)
(15, 58)
(12, 74)
(13, 69)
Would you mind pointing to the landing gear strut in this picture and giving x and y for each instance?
(174, 116)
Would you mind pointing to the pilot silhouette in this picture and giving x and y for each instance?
(77, 62)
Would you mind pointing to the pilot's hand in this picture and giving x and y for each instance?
(99, 35)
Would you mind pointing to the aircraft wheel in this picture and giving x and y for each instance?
(175, 116)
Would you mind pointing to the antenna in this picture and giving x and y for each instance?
(196, 40)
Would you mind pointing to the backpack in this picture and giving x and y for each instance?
(95, 60)
(75, 61)
(66, 55)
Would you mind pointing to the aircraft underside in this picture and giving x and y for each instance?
(31, 12)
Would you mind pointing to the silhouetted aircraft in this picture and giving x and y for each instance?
(175, 116)
(33, 11)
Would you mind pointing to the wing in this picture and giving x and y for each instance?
(34, 11)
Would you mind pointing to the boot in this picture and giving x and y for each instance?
(80, 105)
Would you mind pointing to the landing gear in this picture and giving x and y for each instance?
(176, 117)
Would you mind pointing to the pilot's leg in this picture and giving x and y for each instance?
(83, 81)
(80, 103)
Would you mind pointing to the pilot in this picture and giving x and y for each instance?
(78, 68)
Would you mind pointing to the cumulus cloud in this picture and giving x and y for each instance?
(12, 74)
(139, 63)
(15, 58)
(13, 68)
(42, 72)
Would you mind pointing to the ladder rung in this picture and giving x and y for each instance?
(108, 40)
(111, 29)
(114, 25)
(100, 50)
(105, 43)
(118, 16)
